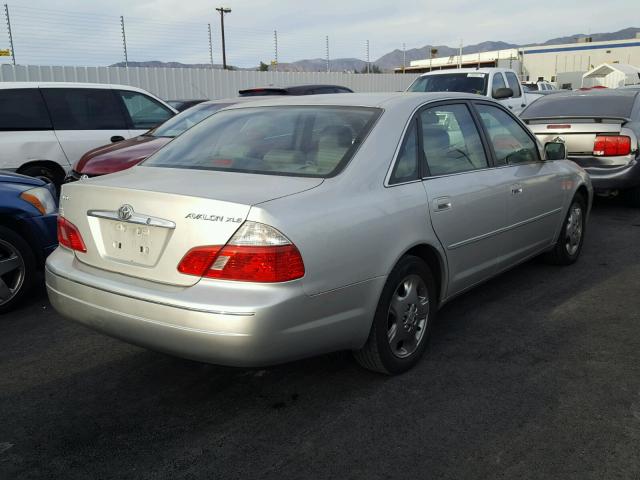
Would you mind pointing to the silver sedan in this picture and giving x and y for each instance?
(288, 228)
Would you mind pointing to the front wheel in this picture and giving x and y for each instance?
(403, 319)
(569, 244)
(17, 269)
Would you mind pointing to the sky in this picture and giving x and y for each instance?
(77, 32)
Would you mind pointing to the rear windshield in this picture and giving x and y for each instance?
(298, 141)
(187, 119)
(592, 105)
(473, 82)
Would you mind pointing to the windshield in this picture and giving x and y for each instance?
(187, 119)
(299, 141)
(472, 82)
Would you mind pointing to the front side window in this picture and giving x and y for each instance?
(406, 167)
(23, 109)
(451, 140)
(187, 119)
(84, 109)
(511, 143)
(514, 84)
(498, 82)
(297, 141)
(145, 112)
(471, 82)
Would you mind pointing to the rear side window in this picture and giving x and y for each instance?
(514, 84)
(297, 141)
(84, 109)
(451, 140)
(406, 167)
(23, 109)
(144, 111)
(511, 143)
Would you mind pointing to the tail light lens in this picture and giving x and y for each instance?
(255, 253)
(69, 235)
(611, 145)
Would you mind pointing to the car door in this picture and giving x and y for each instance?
(466, 197)
(85, 118)
(518, 101)
(26, 133)
(143, 111)
(536, 192)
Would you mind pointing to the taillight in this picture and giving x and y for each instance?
(611, 145)
(255, 253)
(69, 235)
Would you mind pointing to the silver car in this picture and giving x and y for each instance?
(288, 228)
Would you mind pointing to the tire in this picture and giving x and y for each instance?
(45, 173)
(403, 320)
(632, 197)
(17, 269)
(569, 245)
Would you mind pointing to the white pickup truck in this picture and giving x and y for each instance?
(501, 84)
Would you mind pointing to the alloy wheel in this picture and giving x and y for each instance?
(408, 316)
(12, 271)
(573, 230)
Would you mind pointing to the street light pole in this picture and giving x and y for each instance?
(222, 11)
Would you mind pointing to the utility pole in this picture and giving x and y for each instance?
(404, 57)
(13, 52)
(460, 55)
(368, 62)
(124, 42)
(210, 46)
(222, 11)
(275, 44)
(327, 45)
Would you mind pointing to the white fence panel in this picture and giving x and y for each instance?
(175, 83)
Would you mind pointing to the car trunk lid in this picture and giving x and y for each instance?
(141, 222)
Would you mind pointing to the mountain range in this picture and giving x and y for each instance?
(393, 59)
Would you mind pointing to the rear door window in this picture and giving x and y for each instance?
(23, 109)
(451, 141)
(511, 143)
(144, 111)
(514, 84)
(84, 109)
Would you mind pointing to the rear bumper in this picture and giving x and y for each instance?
(615, 178)
(241, 325)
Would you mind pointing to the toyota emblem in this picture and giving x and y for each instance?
(125, 212)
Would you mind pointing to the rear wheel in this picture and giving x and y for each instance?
(17, 269)
(403, 319)
(569, 244)
(632, 197)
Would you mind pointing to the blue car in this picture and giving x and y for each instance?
(28, 218)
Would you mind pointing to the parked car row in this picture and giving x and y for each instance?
(270, 227)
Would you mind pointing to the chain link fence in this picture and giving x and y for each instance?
(54, 37)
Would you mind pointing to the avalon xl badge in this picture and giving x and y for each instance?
(125, 212)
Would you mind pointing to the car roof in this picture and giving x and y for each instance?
(467, 70)
(376, 100)
(12, 85)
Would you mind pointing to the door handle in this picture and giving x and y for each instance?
(116, 138)
(510, 106)
(516, 189)
(523, 104)
(443, 203)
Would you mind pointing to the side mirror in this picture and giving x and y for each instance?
(499, 93)
(555, 151)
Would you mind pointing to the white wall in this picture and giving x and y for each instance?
(176, 83)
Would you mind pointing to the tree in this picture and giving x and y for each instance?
(263, 67)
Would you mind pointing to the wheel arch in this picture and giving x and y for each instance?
(50, 164)
(435, 261)
(20, 229)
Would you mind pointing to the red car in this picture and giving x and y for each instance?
(127, 153)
